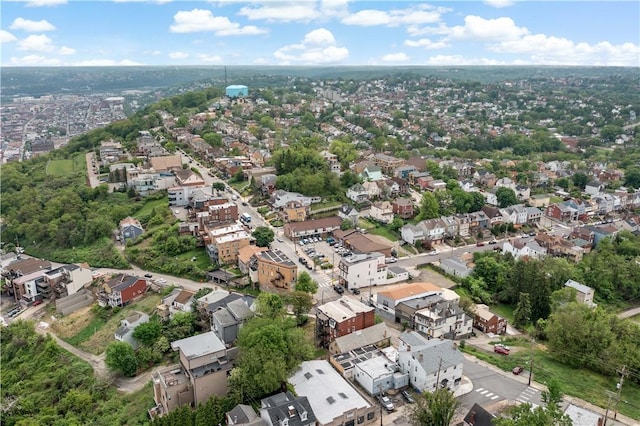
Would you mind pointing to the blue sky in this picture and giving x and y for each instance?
(319, 32)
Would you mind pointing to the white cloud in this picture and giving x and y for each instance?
(36, 43)
(42, 3)
(31, 26)
(461, 60)
(34, 60)
(261, 61)
(281, 12)
(6, 37)
(178, 55)
(499, 3)
(478, 28)
(203, 20)
(395, 57)
(317, 47)
(213, 59)
(64, 50)
(552, 50)
(418, 15)
(426, 43)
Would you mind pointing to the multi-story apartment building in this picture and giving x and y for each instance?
(224, 242)
(445, 319)
(362, 270)
(275, 269)
(204, 365)
(341, 317)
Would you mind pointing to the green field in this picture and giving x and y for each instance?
(66, 167)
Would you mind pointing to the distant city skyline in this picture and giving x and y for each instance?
(324, 32)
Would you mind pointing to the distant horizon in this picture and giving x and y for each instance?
(320, 33)
(221, 67)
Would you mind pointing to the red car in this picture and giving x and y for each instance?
(517, 370)
(37, 302)
(501, 349)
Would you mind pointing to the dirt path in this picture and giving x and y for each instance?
(96, 362)
(629, 313)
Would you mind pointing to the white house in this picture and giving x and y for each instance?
(519, 248)
(373, 190)
(381, 211)
(443, 320)
(431, 364)
(357, 193)
(412, 233)
(124, 333)
(584, 293)
(362, 270)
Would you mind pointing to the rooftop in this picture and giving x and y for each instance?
(407, 290)
(344, 308)
(199, 345)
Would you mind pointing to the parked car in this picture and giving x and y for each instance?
(37, 302)
(480, 244)
(355, 290)
(302, 260)
(493, 242)
(501, 349)
(244, 203)
(338, 288)
(148, 275)
(386, 402)
(517, 370)
(407, 396)
(280, 240)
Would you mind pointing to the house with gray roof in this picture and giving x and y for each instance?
(584, 293)
(455, 266)
(431, 364)
(244, 415)
(285, 409)
(227, 321)
(124, 333)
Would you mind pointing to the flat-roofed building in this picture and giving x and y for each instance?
(332, 398)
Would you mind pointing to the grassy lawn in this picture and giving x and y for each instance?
(68, 166)
(635, 318)
(505, 311)
(324, 205)
(377, 229)
(202, 258)
(580, 383)
(150, 205)
(59, 167)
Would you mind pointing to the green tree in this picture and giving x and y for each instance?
(522, 313)
(580, 180)
(263, 235)
(347, 224)
(306, 283)
(270, 305)
(435, 408)
(270, 349)
(301, 302)
(121, 357)
(181, 325)
(550, 414)
(396, 223)
(147, 333)
(429, 208)
(506, 197)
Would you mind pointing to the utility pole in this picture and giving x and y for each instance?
(438, 376)
(531, 361)
(610, 396)
(622, 372)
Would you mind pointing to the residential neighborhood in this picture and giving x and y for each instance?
(402, 236)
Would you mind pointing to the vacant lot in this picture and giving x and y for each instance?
(85, 330)
(65, 167)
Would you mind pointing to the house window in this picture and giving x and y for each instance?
(360, 419)
(371, 415)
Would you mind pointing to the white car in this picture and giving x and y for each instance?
(387, 403)
(161, 281)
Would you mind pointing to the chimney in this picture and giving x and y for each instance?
(384, 333)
